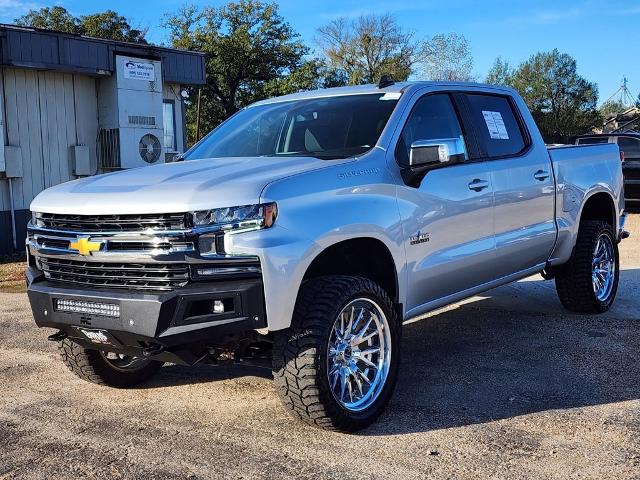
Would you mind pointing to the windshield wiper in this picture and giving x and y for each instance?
(320, 155)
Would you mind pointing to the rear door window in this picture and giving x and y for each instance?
(497, 126)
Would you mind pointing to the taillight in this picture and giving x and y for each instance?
(621, 156)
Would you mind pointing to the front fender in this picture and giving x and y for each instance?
(315, 211)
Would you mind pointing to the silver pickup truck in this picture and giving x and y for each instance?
(319, 222)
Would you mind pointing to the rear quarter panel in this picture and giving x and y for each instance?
(581, 172)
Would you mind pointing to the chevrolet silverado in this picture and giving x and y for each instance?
(319, 222)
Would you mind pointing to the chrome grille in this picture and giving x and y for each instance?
(163, 245)
(138, 276)
(112, 223)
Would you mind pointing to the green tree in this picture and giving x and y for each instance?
(368, 47)
(612, 107)
(106, 24)
(447, 57)
(51, 18)
(110, 25)
(561, 101)
(500, 73)
(311, 75)
(248, 45)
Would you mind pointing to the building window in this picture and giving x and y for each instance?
(169, 119)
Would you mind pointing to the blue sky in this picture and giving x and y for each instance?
(514, 29)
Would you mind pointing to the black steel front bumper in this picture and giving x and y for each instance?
(177, 326)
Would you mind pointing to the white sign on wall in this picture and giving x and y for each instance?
(139, 71)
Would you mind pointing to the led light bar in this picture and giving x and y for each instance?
(81, 306)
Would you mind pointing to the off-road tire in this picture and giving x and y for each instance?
(300, 353)
(91, 366)
(573, 281)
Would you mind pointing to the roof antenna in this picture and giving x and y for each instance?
(385, 81)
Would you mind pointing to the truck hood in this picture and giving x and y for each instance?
(173, 187)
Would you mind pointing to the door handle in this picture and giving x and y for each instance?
(541, 175)
(478, 185)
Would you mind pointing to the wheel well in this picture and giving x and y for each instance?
(365, 257)
(599, 207)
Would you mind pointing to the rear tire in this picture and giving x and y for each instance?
(589, 281)
(94, 366)
(323, 347)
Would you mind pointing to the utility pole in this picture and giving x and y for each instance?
(198, 115)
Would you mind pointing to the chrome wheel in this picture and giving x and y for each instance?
(125, 363)
(359, 354)
(603, 268)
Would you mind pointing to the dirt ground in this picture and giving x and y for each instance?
(12, 273)
(505, 385)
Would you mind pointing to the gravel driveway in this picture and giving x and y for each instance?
(505, 385)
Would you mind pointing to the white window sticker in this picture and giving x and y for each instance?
(495, 125)
(139, 71)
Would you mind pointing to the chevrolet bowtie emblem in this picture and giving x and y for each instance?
(84, 246)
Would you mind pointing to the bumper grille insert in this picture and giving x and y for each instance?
(138, 276)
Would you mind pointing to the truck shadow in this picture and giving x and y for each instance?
(512, 351)
(172, 375)
(482, 361)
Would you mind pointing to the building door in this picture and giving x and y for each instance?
(46, 114)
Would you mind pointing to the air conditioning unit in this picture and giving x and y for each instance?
(130, 115)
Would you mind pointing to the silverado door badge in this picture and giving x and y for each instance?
(419, 238)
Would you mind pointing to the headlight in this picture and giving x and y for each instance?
(245, 217)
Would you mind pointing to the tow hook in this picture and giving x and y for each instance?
(153, 349)
(57, 337)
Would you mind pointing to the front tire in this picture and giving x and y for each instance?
(589, 281)
(104, 368)
(336, 366)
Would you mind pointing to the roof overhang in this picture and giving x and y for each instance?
(50, 50)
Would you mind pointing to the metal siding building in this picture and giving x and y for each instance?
(51, 117)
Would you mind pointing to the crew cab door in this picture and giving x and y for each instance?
(447, 214)
(523, 183)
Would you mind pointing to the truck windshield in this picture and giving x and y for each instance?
(327, 128)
